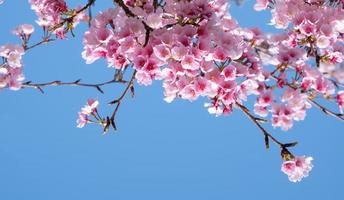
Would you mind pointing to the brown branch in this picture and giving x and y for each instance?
(326, 110)
(39, 86)
(118, 101)
(256, 121)
(43, 41)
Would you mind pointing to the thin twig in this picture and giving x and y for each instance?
(43, 41)
(327, 111)
(257, 123)
(118, 101)
(40, 86)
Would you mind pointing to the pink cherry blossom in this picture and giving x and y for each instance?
(261, 5)
(340, 100)
(11, 74)
(89, 109)
(297, 168)
(82, 120)
(48, 11)
(154, 20)
(24, 29)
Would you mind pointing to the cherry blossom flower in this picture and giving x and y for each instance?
(82, 120)
(11, 74)
(24, 29)
(297, 168)
(89, 109)
(261, 5)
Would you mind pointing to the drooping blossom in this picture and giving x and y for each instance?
(11, 74)
(24, 30)
(297, 168)
(89, 109)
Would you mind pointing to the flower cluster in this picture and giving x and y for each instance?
(90, 109)
(314, 36)
(53, 14)
(194, 46)
(111, 43)
(297, 168)
(48, 11)
(11, 74)
(24, 32)
(198, 50)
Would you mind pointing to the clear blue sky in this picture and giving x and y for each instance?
(161, 151)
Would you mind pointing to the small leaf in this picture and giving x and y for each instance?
(113, 102)
(132, 91)
(40, 89)
(267, 145)
(99, 89)
(293, 144)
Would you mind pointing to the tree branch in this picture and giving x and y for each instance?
(326, 110)
(43, 41)
(256, 121)
(39, 86)
(118, 101)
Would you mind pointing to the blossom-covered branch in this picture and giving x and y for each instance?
(199, 50)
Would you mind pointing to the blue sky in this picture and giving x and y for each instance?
(160, 152)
